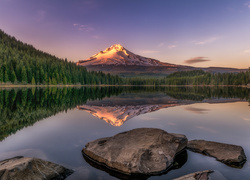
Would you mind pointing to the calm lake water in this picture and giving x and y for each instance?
(54, 124)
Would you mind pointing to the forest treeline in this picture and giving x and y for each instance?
(21, 63)
(195, 77)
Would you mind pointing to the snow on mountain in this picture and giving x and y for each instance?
(115, 59)
(118, 55)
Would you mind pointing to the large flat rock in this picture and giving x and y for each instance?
(229, 154)
(25, 168)
(139, 151)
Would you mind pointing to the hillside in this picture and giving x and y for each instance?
(21, 63)
(120, 61)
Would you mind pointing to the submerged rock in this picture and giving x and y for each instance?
(201, 175)
(231, 155)
(31, 168)
(139, 151)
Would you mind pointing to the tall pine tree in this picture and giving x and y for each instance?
(24, 75)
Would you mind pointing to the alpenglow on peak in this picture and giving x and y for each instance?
(118, 55)
(115, 47)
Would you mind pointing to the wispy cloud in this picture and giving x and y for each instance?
(206, 41)
(96, 37)
(149, 51)
(172, 46)
(246, 51)
(196, 110)
(247, 4)
(84, 27)
(161, 44)
(196, 60)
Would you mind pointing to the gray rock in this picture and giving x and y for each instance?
(26, 168)
(139, 151)
(231, 155)
(201, 175)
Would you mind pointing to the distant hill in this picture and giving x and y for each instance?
(118, 60)
(21, 63)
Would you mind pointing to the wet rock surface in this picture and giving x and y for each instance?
(18, 168)
(228, 154)
(201, 175)
(179, 161)
(139, 151)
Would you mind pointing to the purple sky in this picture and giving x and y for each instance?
(193, 32)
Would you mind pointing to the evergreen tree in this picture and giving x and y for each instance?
(24, 75)
(50, 82)
(64, 80)
(33, 81)
(1, 75)
(6, 77)
(54, 81)
(13, 78)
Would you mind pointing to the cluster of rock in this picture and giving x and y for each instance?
(153, 151)
(143, 151)
(31, 168)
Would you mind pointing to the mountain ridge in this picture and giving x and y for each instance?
(116, 59)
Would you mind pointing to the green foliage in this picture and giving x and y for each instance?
(6, 77)
(33, 81)
(13, 78)
(25, 62)
(24, 75)
(206, 78)
(195, 77)
(64, 80)
(1, 76)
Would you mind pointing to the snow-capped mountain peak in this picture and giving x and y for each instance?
(118, 55)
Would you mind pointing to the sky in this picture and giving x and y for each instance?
(200, 33)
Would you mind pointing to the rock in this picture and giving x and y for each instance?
(139, 151)
(231, 155)
(179, 161)
(201, 175)
(31, 168)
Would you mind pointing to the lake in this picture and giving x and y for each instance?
(54, 124)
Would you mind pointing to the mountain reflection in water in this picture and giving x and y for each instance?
(118, 109)
(20, 108)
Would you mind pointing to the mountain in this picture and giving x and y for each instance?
(117, 55)
(118, 60)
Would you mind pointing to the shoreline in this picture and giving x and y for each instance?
(104, 85)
